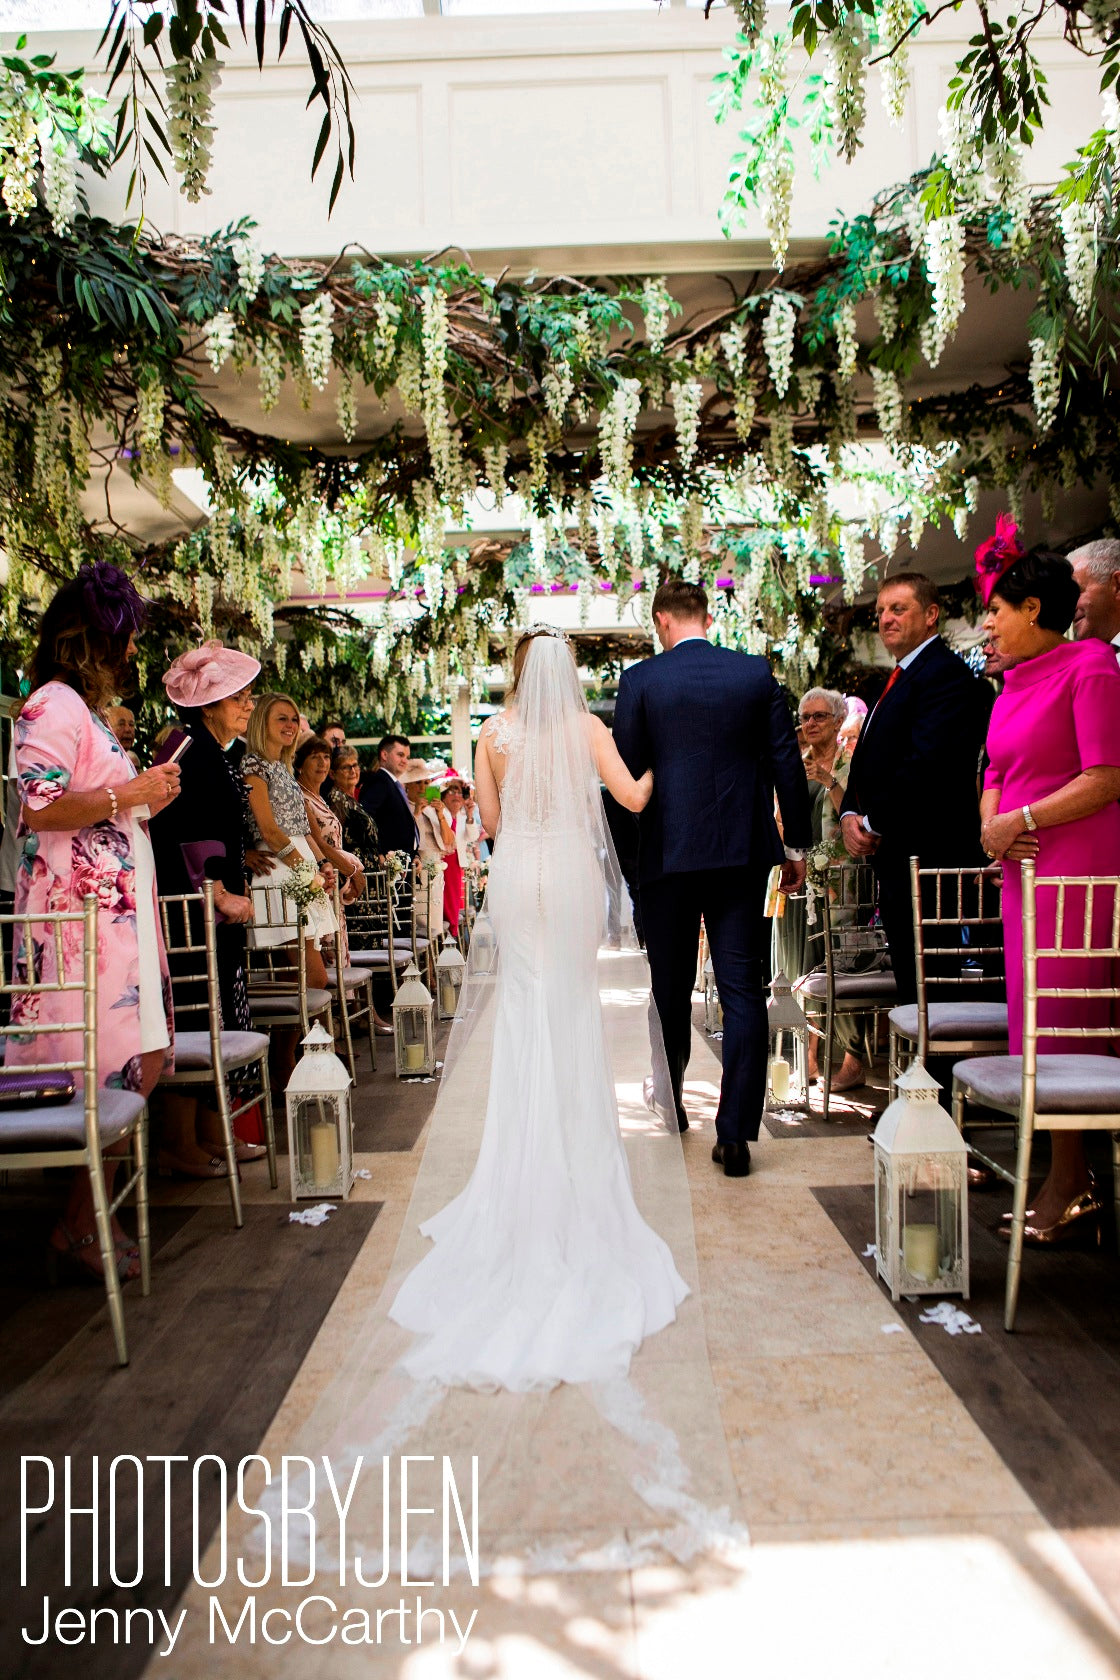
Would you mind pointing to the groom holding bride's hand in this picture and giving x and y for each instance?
(716, 732)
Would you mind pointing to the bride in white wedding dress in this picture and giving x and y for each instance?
(542, 1270)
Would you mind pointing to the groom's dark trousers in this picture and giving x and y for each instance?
(716, 731)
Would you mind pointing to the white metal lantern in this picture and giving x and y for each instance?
(414, 1027)
(320, 1126)
(713, 1009)
(921, 1193)
(484, 945)
(451, 971)
(787, 1079)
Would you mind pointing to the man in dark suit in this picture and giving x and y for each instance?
(386, 801)
(715, 730)
(912, 784)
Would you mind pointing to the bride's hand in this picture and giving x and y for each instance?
(645, 789)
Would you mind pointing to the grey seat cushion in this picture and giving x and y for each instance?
(878, 987)
(192, 1049)
(380, 959)
(350, 976)
(1074, 1084)
(287, 1003)
(63, 1125)
(954, 1020)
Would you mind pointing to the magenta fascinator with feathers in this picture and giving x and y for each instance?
(110, 598)
(997, 555)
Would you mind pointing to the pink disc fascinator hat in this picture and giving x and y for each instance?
(997, 556)
(208, 674)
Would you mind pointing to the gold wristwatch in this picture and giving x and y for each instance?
(1028, 820)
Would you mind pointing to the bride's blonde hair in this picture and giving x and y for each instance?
(525, 642)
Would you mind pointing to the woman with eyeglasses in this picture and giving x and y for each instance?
(821, 715)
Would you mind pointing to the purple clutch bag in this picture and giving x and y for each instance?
(25, 1090)
(196, 855)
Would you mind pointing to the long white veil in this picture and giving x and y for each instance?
(589, 1475)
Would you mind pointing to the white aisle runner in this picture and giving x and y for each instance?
(594, 1478)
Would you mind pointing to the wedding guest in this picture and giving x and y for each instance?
(359, 831)
(853, 722)
(1050, 793)
(465, 833)
(334, 734)
(1096, 572)
(122, 722)
(312, 764)
(912, 784)
(821, 714)
(279, 821)
(204, 836)
(436, 842)
(83, 829)
(384, 798)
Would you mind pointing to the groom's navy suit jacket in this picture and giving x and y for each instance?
(716, 732)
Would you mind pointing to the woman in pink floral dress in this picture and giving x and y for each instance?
(83, 830)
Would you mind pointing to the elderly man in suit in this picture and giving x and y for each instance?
(912, 784)
(1096, 571)
(717, 733)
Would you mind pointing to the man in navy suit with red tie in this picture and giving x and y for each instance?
(716, 731)
(912, 784)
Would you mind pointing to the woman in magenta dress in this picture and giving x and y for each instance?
(1051, 793)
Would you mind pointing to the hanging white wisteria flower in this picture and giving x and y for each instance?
(1006, 185)
(59, 158)
(219, 333)
(846, 343)
(944, 260)
(886, 310)
(270, 371)
(616, 433)
(557, 385)
(437, 424)
(688, 395)
(190, 99)
(249, 258)
(733, 343)
(961, 149)
(779, 448)
(1079, 239)
(1046, 381)
(657, 307)
(410, 378)
(495, 459)
(346, 402)
(775, 173)
(752, 17)
(777, 340)
(746, 403)
(888, 403)
(845, 82)
(917, 520)
(971, 490)
(19, 154)
(691, 530)
(894, 20)
(151, 400)
(316, 338)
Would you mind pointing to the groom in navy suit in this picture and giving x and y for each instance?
(714, 728)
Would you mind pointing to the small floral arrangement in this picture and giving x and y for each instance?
(818, 863)
(304, 886)
(431, 867)
(397, 864)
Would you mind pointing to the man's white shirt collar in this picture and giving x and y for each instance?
(682, 639)
(910, 657)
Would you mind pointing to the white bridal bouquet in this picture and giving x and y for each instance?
(304, 886)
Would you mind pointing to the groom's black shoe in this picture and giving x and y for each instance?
(682, 1120)
(734, 1158)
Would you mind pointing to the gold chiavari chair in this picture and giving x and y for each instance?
(958, 950)
(276, 974)
(206, 1056)
(77, 1130)
(855, 979)
(370, 924)
(353, 985)
(1073, 1092)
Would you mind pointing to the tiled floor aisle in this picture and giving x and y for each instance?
(886, 1536)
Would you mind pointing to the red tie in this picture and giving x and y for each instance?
(891, 680)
